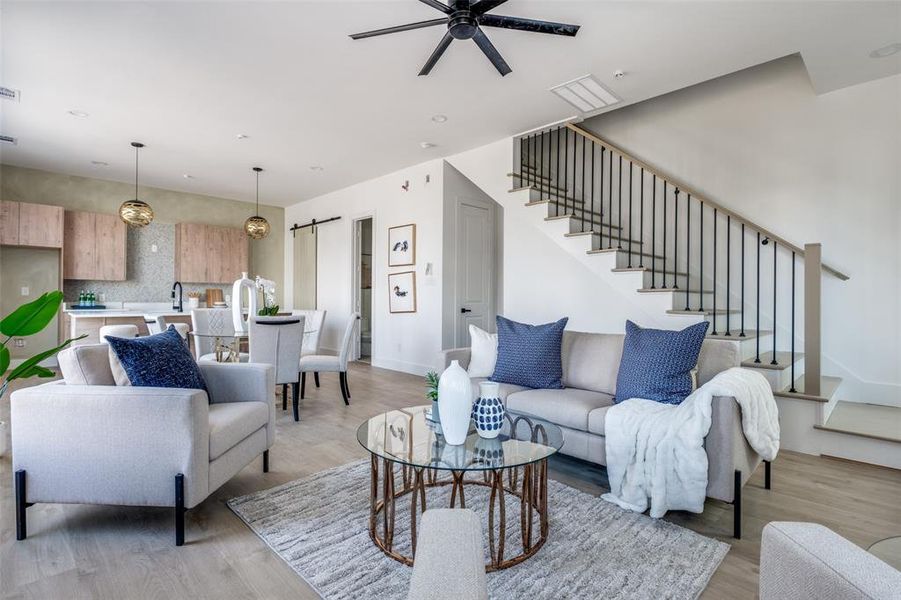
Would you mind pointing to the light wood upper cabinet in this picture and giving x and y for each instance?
(95, 247)
(209, 254)
(26, 224)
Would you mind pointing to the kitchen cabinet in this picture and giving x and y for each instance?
(210, 254)
(27, 224)
(95, 246)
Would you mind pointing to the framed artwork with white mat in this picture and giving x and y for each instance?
(402, 245)
(402, 292)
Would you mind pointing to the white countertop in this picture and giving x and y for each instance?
(149, 310)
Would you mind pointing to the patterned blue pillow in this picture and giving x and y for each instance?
(657, 364)
(529, 355)
(161, 360)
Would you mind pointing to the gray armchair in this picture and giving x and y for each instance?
(139, 446)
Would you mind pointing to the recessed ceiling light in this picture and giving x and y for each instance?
(585, 93)
(426, 145)
(79, 113)
(187, 176)
(440, 118)
(316, 168)
(99, 163)
(886, 50)
(242, 136)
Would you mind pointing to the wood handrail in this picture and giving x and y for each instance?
(700, 197)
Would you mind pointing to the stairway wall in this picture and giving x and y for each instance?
(811, 168)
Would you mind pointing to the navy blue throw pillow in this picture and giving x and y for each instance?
(529, 355)
(161, 360)
(657, 364)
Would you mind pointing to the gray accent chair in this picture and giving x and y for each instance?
(326, 363)
(277, 341)
(450, 557)
(97, 443)
(806, 561)
(590, 367)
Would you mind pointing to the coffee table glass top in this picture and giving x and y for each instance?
(405, 436)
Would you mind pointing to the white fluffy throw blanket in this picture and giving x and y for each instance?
(655, 452)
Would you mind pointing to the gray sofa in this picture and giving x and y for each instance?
(98, 443)
(806, 561)
(590, 366)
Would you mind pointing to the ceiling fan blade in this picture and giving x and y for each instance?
(436, 54)
(399, 28)
(438, 5)
(528, 25)
(483, 6)
(491, 52)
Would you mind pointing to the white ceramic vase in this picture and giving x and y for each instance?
(455, 403)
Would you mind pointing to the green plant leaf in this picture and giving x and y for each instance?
(26, 368)
(32, 317)
(37, 371)
(4, 359)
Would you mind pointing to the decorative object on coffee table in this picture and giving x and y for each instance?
(431, 381)
(455, 403)
(401, 442)
(402, 245)
(402, 292)
(488, 411)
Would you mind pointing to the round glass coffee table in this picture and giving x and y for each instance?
(409, 457)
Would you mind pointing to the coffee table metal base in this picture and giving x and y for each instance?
(526, 485)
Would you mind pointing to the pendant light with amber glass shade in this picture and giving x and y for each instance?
(256, 227)
(136, 213)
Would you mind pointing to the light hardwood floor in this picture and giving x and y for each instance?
(121, 552)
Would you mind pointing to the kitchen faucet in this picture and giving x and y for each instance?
(177, 305)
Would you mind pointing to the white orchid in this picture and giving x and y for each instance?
(267, 286)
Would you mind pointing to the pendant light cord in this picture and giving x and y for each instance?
(258, 193)
(136, 172)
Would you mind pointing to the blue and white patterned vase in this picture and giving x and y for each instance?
(488, 411)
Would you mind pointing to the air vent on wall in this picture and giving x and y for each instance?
(8, 139)
(585, 93)
(9, 93)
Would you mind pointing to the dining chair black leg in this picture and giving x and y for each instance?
(296, 403)
(316, 377)
(347, 384)
(341, 382)
(303, 384)
(284, 400)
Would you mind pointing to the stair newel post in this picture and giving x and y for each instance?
(714, 332)
(775, 329)
(610, 205)
(522, 159)
(676, 240)
(742, 332)
(583, 183)
(653, 230)
(812, 288)
(728, 273)
(757, 324)
(601, 199)
(641, 221)
(792, 387)
(629, 238)
(557, 173)
(687, 250)
(664, 234)
(701, 259)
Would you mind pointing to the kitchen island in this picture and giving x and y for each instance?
(79, 321)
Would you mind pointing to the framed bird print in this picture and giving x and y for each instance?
(402, 245)
(402, 292)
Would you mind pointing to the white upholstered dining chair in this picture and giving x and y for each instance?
(325, 363)
(212, 321)
(276, 341)
(315, 321)
(122, 331)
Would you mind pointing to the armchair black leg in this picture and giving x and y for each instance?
(303, 384)
(265, 461)
(736, 507)
(316, 377)
(284, 399)
(767, 479)
(179, 510)
(295, 402)
(21, 505)
(342, 381)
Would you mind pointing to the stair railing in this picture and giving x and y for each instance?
(583, 176)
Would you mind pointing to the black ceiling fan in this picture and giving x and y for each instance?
(464, 20)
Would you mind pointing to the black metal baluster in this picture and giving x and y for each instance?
(676, 240)
(630, 214)
(641, 221)
(558, 185)
(775, 253)
(664, 235)
(591, 211)
(610, 205)
(792, 388)
(653, 230)
(757, 351)
(619, 210)
(687, 250)
(565, 171)
(522, 160)
(742, 332)
(701, 262)
(601, 199)
(714, 332)
(583, 185)
(728, 271)
(542, 184)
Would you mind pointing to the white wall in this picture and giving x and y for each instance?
(810, 168)
(404, 342)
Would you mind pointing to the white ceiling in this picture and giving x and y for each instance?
(186, 77)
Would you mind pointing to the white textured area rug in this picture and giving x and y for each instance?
(319, 525)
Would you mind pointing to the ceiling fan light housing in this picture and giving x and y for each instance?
(136, 213)
(256, 227)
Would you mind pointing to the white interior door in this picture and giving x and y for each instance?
(475, 291)
(305, 268)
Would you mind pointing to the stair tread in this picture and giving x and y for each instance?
(783, 360)
(630, 269)
(736, 335)
(868, 420)
(543, 184)
(596, 223)
(671, 290)
(694, 311)
(828, 386)
(625, 251)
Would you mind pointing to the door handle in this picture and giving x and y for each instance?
(465, 310)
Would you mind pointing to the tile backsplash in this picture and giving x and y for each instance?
(149, 275)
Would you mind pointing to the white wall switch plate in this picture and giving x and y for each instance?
(25, 290)
(20, 342)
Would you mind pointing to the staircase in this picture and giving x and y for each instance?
(685, 259)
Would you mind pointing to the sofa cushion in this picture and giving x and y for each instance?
(569, 407)
(161, 360)
(591, 360)
(596, 419)
(231, 422)
(504, 389)
(483, 356)
(657, 363)
(88, 364)
(529, 355)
